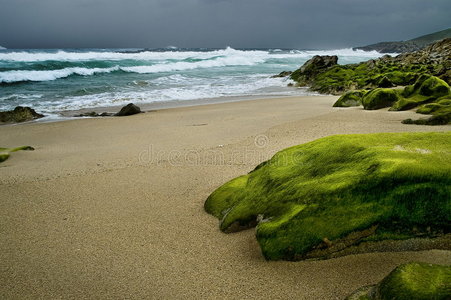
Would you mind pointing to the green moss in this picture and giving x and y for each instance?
(334, 186)
(379, 98)
(442, 119)
(351, 98)
(413, 281)
(428, 108)
(417, 281)
(384, 82)
(342, 78)
(435, 87)
(432, 95)
(5, 152)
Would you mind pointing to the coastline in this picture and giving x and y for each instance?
(113, 207)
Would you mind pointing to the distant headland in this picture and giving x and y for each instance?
(409, 45)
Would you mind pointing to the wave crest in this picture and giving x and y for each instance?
(25, 56)
(21, 76)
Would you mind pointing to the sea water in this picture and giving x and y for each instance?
(56, 80)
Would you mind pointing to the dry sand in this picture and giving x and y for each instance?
(113, 208)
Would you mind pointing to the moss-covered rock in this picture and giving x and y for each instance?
(413, 281)
(314, 66)
(6, 152)
(351, 98)
(384, 82)
(384, 72)
(432, 95)
(335, 192)
(380, 98)
(441, 119)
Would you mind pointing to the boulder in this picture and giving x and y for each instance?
(426, 90)
(351, 98)
(128, 110)
(314, 66)
(343, 195)
(384, 82)
(19, 114)
(379, 98)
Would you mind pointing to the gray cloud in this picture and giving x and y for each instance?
(216, 23)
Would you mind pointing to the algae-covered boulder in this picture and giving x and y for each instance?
(413, 281)
(5, 152)
(319, 199)
(19, 114)
(352, 98)
(313, 67)
(379, 98)
(427, 89)
(384, 82)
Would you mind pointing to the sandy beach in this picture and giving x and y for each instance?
(112, 208)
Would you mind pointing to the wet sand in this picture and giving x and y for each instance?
(113, 207)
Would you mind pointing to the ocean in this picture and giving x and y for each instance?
(56, 80)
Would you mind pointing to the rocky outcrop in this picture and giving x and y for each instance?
(392, 47)
(429, 94)
(128, 110)
(384, 72)
(19, 114)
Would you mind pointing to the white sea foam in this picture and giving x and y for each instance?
(60, 55)
(169, 90)
(2, 48)
(22, 75)
(183, 65)
(48, 75)
(218, 58)
(24, 56)
(151, 76)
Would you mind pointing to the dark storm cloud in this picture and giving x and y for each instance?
(216, 23)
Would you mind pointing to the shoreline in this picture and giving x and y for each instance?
(159, 105)
(113, 207)
(67, 115)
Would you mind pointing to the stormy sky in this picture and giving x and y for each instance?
(304, 24)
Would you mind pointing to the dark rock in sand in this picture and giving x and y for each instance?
(19, 114)
(94, 114)
(128, 110)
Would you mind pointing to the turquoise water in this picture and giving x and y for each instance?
(55, 80)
